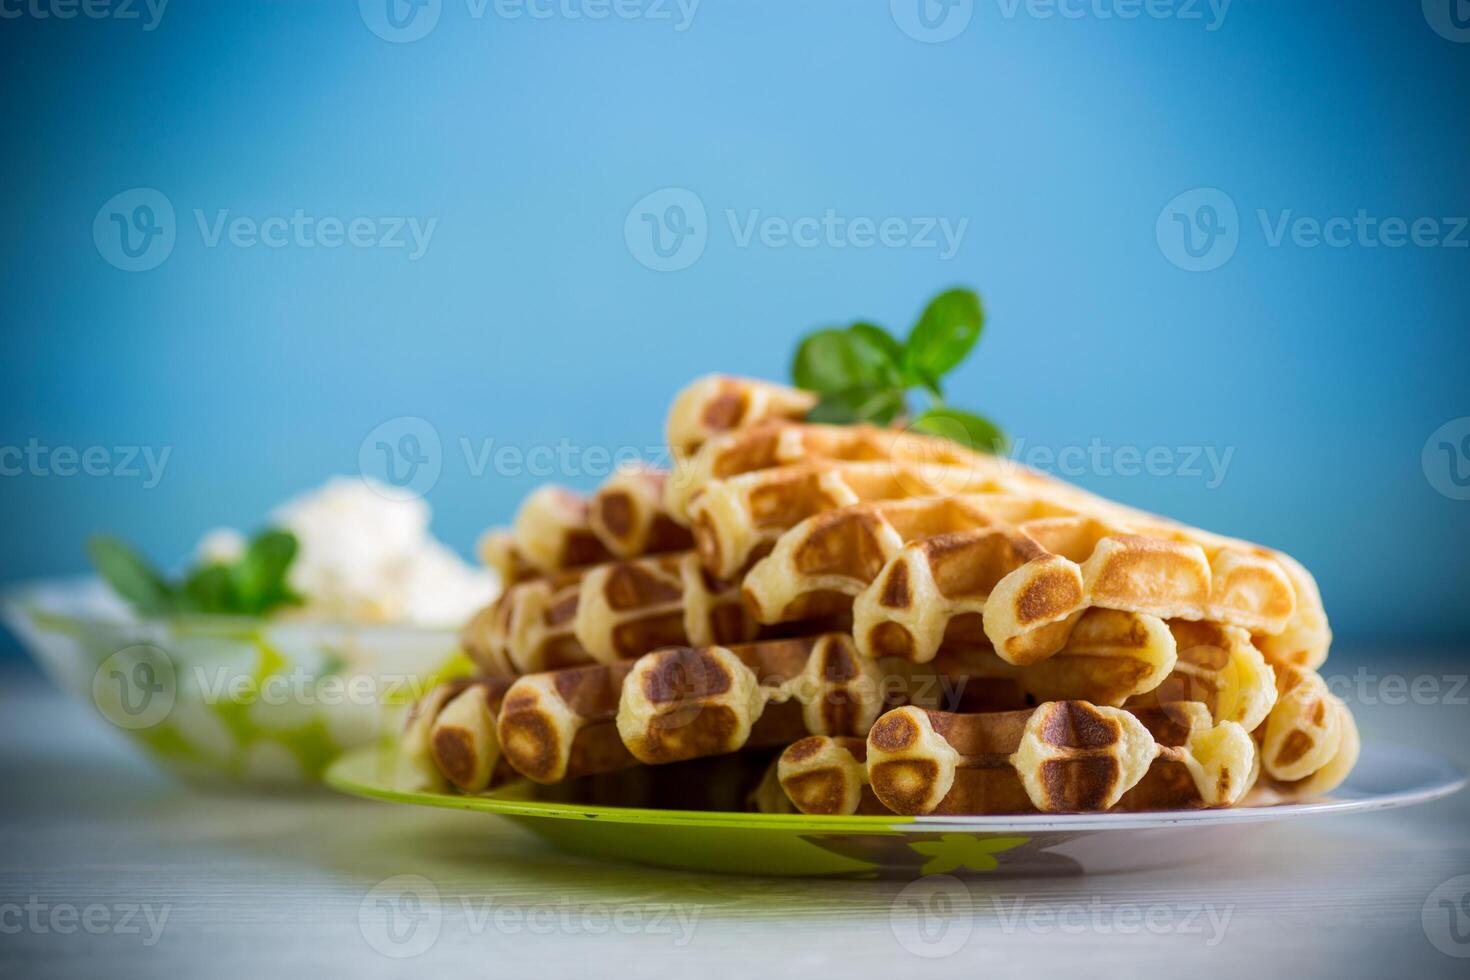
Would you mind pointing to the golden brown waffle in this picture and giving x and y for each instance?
(1109, 658)
(1306, 639)
(462, 737)
(827, 774)
(767, 796)
(773, 444)
(1217, 666)
(552, 531)
(561, 724)
(497, 550)
(1309, 742)
(1063, 757)
(627, 515)
(416, 770)
(556, 529)
(605, 613)
(684, 703)
(716, 404)
(740, 518)
(1023, 581)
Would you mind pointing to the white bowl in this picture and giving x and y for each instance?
(267, 702)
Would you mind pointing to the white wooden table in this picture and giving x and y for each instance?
(107, 868)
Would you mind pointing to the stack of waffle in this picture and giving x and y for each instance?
(917, 628)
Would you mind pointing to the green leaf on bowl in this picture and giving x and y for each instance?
(131, 576)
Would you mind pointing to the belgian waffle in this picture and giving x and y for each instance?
(628, 517)
(738, 519)
(1173, 668)
(773, 444)
(688, 702)
(557, 529)
(462, 736)
(1022, 582)
(1109, 658)
(1309, 742)
(1062, 757)
(716, 404)
(1219, 667)
(827, 774)
(668, 706)
(606, 612)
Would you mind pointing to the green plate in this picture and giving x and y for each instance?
(686, 830)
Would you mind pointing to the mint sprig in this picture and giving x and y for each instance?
(250, 586)
(865, 374)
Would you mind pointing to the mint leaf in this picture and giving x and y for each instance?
(864, 374)
(947, 329)
(832, 361)
(130, 575)
(210, 589)
(834, 409)
(882, 407)
(878, 407)
(885, 351)
(965, 428)
(827, 363)
(260, 577)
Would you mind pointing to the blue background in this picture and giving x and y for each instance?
(529, 319)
